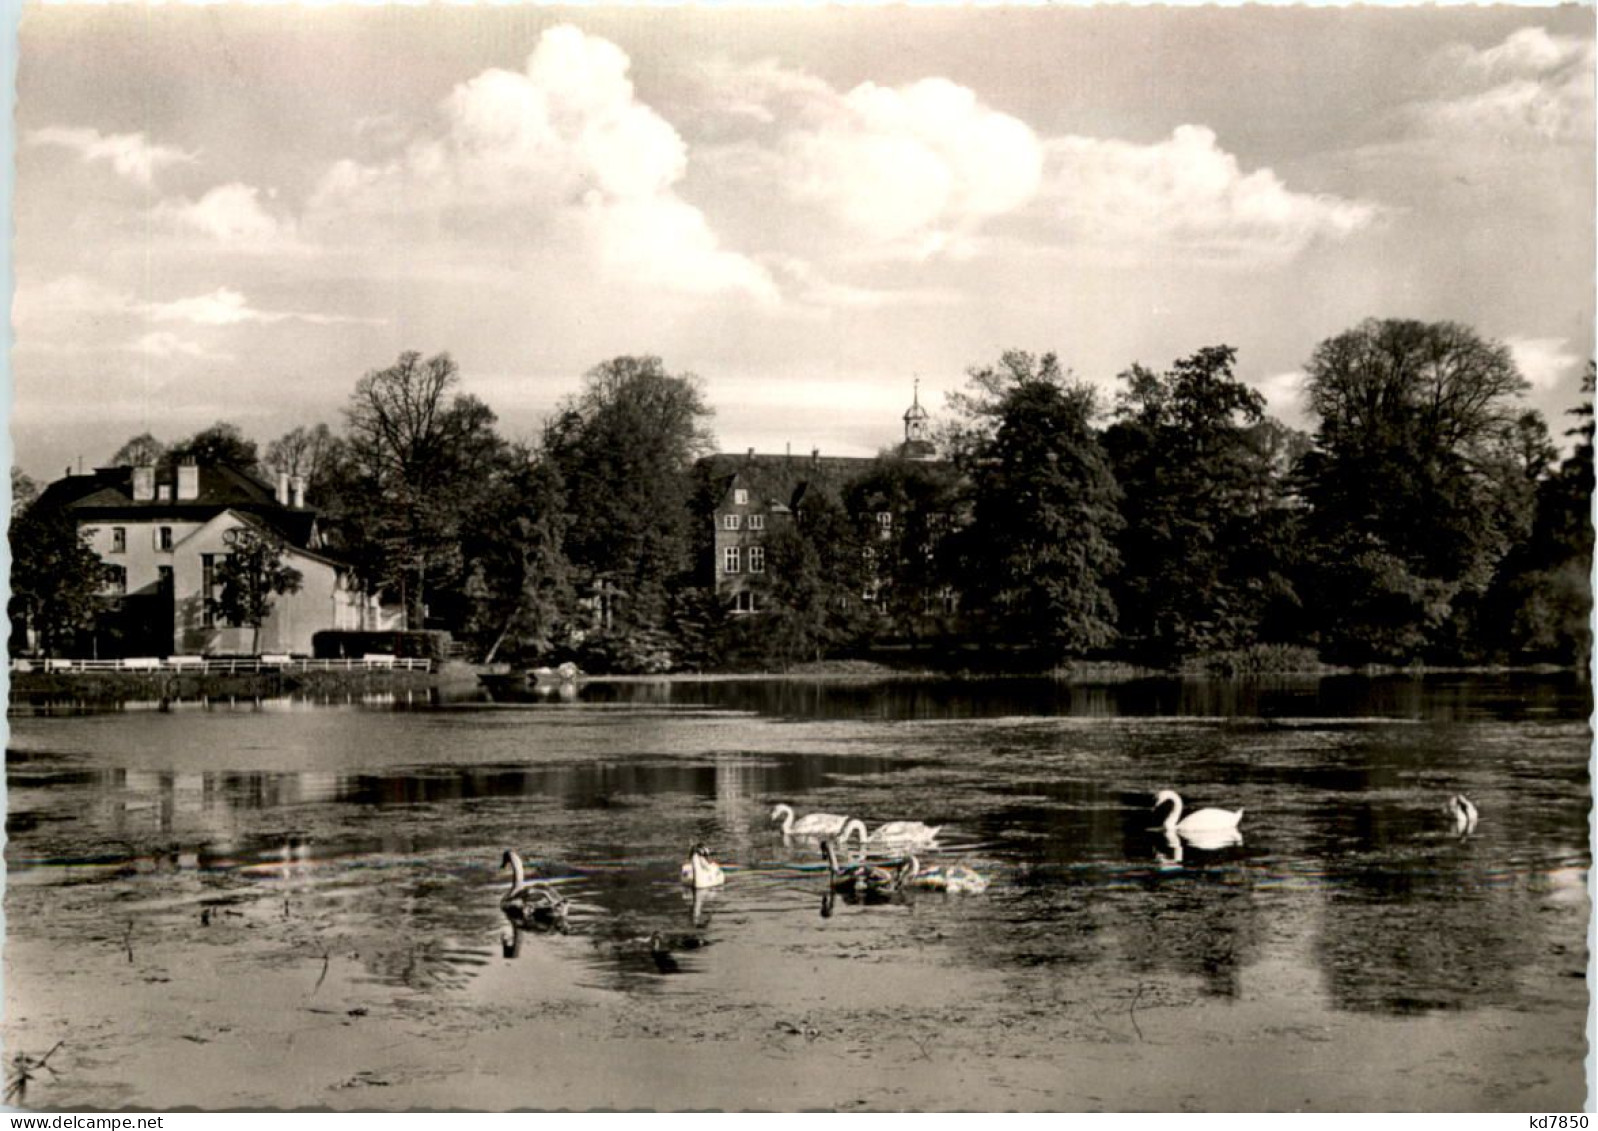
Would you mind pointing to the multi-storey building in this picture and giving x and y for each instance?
(164, 531)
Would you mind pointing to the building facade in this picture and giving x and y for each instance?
(164, 532)
(754, 494)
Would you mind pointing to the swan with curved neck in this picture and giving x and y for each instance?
(701, 871)
(858, 878)
(1199, 821)
(529, 901)
(1463, 812)
(953, 878)
(812, 824)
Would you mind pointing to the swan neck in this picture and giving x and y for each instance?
(517, 876)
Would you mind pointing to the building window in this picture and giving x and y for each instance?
(163, 579)
(740, 497)
(163, 538)
(729, 559)
(757, 522)
(729, 522)
(757, 559)
(884, 519)
(119, 539)
(117, 581)
(744, 601)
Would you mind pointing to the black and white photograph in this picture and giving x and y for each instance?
(799, 558)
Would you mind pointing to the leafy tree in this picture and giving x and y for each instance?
(1202, 480)
(251, 577)
(58, 582)
(521, 583)
(816, 571)
(908, 553)
(625, 447)
(143, 450)
(419, 457)
(220, 443)
(24, 491)
(1038, 554)
(1407, 470)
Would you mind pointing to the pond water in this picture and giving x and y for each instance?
(290, 903)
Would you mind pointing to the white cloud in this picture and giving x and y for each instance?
(1531, 87)
(560, 159)
(908, 170)
(164, 345)
(1284, 397)
(1187, 196)
(76, 295)
(227, 307)
(1543, 361)
(132, 155)
(230, 214)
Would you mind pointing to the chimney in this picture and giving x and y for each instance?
(297, 491)
(815, 455)
(188, 481)
(144, 484)
(283, 488)
(751, 457)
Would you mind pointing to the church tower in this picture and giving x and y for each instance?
(917, 439)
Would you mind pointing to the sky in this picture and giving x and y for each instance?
(233, 212)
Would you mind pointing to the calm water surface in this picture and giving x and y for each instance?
(380, 824)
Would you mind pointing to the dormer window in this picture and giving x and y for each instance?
(740, 497)
(729, 522)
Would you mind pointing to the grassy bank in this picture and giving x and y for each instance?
(113, 686)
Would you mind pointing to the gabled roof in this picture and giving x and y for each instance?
(107, 496)
(778, 480)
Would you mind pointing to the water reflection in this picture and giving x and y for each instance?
(379, 830)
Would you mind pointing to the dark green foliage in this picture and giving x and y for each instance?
(816, 577)
(419, 460)
(909, 564)
(222, 443)
(1038, 554)
(57, 581)
(625, 448)
(1204, 537)
(1412, 484)
(251, 577)
(24, 491)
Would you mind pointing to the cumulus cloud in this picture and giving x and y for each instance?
(230, 214)
(1543, 361)
(74, 295)
(559, 157)
(1533, 86)
(1187, 195)
(133, 156)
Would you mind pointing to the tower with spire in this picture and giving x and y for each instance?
(917, 439)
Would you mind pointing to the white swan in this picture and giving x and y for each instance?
(894, 832)
(1201, 821)
(812, 825)
(701, 871)
(1464, 814)
(529, 901)
(953, 878)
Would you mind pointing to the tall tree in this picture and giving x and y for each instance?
(58, 582)
(143, 450)
(817, 573)
(310, 453)
(1405, 481)
(221, 443)
(24, 491)
(625, 447)
(1201, 481)
(252, 576)
(420, 455)
(1039, 552)
(906, 511)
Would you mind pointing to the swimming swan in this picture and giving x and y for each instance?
(1464, 814)
(530, 901)
(859, 879)
(1201, 821)
(894, 832)
(953, 878)
(701, 871)
(813, 825)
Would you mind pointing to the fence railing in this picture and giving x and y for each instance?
(243, 665)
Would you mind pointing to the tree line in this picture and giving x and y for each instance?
(1427, 518)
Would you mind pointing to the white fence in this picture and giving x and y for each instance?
(227, 665)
